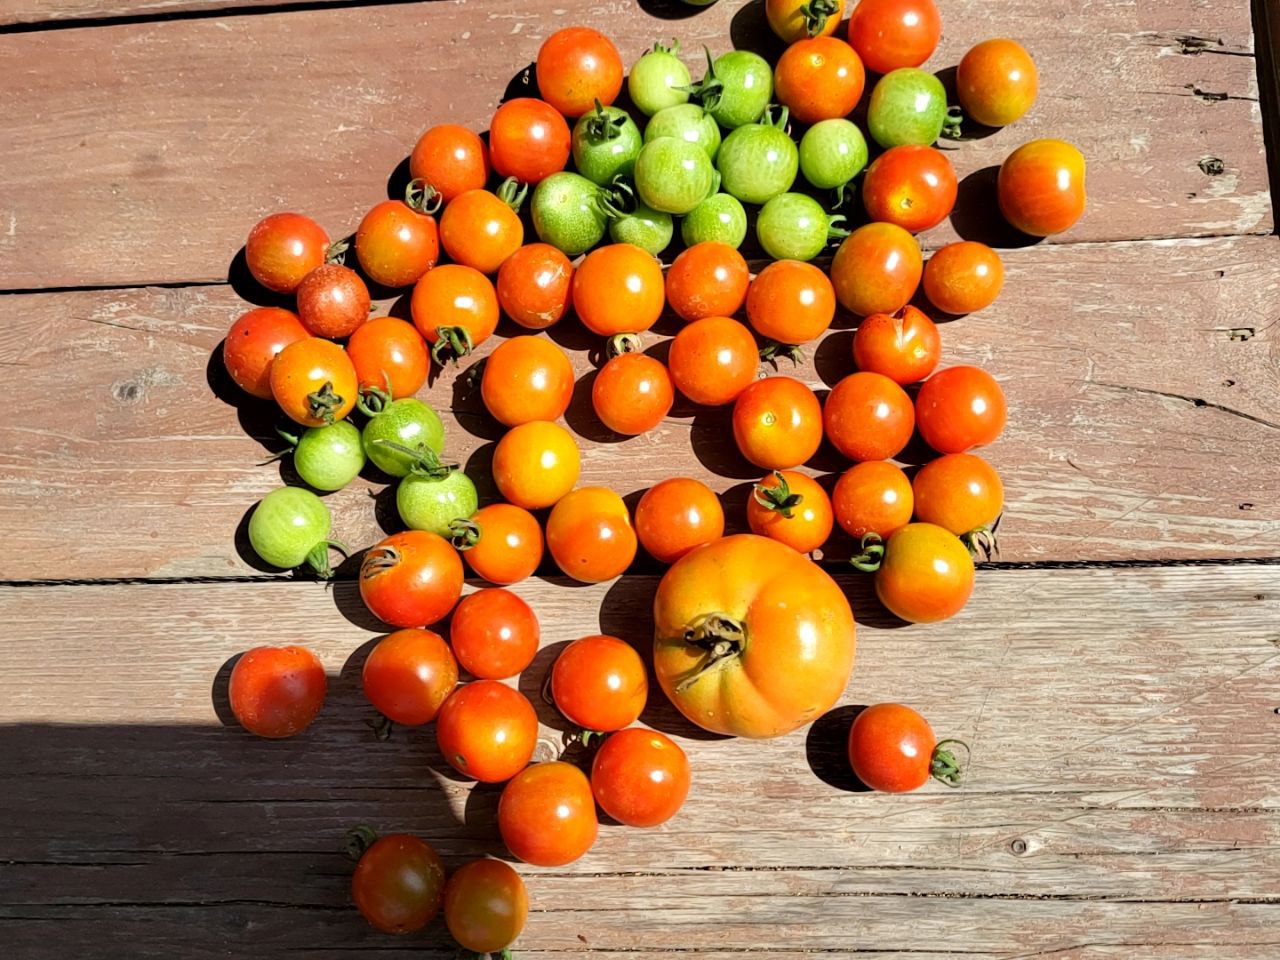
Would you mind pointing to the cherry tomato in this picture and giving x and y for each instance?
(819, 78)
(1041, 187)
(960, 408)
(713, 360)
(314, 382)
(494, 633)
(485, 905)
(877, 269)
(528, 140)
(791, 302)
(599, 683)
(926, 574)
(618, 289)
(480, 229)
(398, 884)
(640, 777)
(397, 244)
(535, 286)
(411, 579)
(535, 464)
(547, 814)
(792, 508)
(963, 277)
(589, 534)
(501, 543)
(455, 308)
(408, 675)
(904, 347)
(873, 497)
(777, 423)
(252, 344)
(487, 731)
(793, 20)
(333, 301)
(632, 393)
(277, 691)
(526, 378)
(868, 417)
(892, 749)
(708, 279)
(576, 67)
(283, 248)
(997, 82)
(677, 515)
(911, 186)
(389, 354)
(452, 159)
(960, 492)
(889, 34)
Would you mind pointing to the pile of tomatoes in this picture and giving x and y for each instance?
(752, 638)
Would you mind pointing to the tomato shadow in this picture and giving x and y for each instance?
(977, 213)
(833, 357)
(707, 435)
(523, 84)
(466, 404)
(247, 288)
(347, 600)
(385, 511)
(480, 818)
(398, 181)
(969, 129)
(734, 503)
(670, 9)
(569, 334)
(534, 683)
(581, 417)
(244, 549)
(220, 694)
(257, 417)
(826, 749)
(749, 30)
(479, 468)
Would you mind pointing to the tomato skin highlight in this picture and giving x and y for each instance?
(777, 423)
(494, 634)
(960, 408)
(873, 497)
(276, 692)
(333, 301)
(396, 244)
(589, 534)
(891, 748)
(868, 417)
(997, 82)
(452, 159)
(314, 382)
(535, 286)
(632, 393)
(599, 683)
(810, 523)
(398, 885)
(547, 814)
(576, 67)
(708, 279)
(389, 353)
(911, 186)
(283, 248)
(877, 269)
(507, 546)
(791, 302)
(640, 777)
(409, 675)
(526, 378)
(485, 905)
(487, 731)
(926, 574)
(713, 360)
(411, 579)
(963, 277)
(536, 464)
(676, 516)
(959, 492)
(1041, 187)
(252, 344)
(889, 34)
(528, 140)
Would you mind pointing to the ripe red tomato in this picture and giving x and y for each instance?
(791, 302)
(960, 408)
(819, 78)
(411, 579)
(926, 574)
(528, 140)
(911, 186)
(408, 675)
(526, 378)
(283, 248)
(589, 534)
(618, 289)
(997, 82)
(873, 497)
(889, 34)
(713, 360)
(640, 777)
(397, 244)
(904, 347)
(793, 20)
(487, 730)
(877, 269)
(277, 691)
(1041, 187)
(389, 354)
(868, 417)
(252, 344)
(485, 905)
(576, 67)
(791, 508)
(494, 633)
(535, 286)
(963, 277)
(536, 464)
(398, 884)
(960, 492)
(892, 749)
(599, 683)
(632, 393)
(547, 814)
(455, 309)
(709, 279)
(314, 382)
(333, 301)
(677, 515)
(480, 229)
(777, 423)
(501, 543)
(452, 159)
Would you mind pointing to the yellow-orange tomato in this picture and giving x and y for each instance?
(997, 82)
(389, 354)
(455, 308)
(501, 543)
(713, 360)
(777, 423)
(794, 20)
(632, 393)
(926, 574)
(599, 683)
(618, 289)
(963, 277)
(904, 347)
(677, 515)
(873, 497)
(877, 269)
(791, 508)
(589, 534)
(709, 279)
(526, 378)
(536, 464)
(452, 159)
(791, 302)
(959, 492)
(397, 244)
(751, 639)
(1041, 187)
(481, 230)
(314, 382)
(819, 78)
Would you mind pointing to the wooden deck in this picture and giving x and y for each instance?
(1117, 673)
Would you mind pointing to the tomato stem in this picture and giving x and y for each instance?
(623, 343)
(601, 128)
(951, 126)
(360, 839)
(674, 49)
(720, 635)
(422, 196)
(845, 194)
(453, 344)
(425, 461)
(773, 351)
(379, 560)
(382, 726)
(872, 555)
(318, 557)
(779, 498)
(337, 252)
(618, 199)
(816, 14)
(709, 89)
(324, 403)
(512, 192)
(373, 400)
(944, 767)
(464, 533)
(834, 229)
(982, 542)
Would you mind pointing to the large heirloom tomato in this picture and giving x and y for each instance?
(751, 638)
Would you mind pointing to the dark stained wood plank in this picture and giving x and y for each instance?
(163, 180)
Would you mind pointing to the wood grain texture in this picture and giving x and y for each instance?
(302, 111)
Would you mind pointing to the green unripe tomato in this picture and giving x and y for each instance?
(567, 213)
(656, 78)
(605, 144)
(758, 161)
(720, 217)
(432, 504)
(329, 457)
(650, 230)
(290, 527)
(908, 106)
(793, 226)
(832, 152)
(673, 176)
(408, 422)
(737, 88)
(688, 122)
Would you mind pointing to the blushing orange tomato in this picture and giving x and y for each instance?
(997, 82)
(889, 34)
(314, 382)
(1041, 187)
(676, 516)
(397, 244)
(777, 423)
(389, 354)
(877, 269)
(904, 347)
(959, 492)
(960, 408)
(589, 534)
(793, 20)
(455, 309)
(535, 286)
(791, 302)
(926, 574)
(494, 633)
(632, 393)
(547, 814)
(791, 508)
(713, 360)
(526, 378)
(868, 417)
(487, 730)
(599, 683)
(618, 288)
(481, 229)
(252, 344)
(640, 777)
(963, 277)
(535, 464)
(283, 248)
(409, 675)
(576, 67)
(873, 497)
(528, 140)
(912, 186)
(452, 159)
(333, 301)
(709, 279)
(819, 78)
(502, 543)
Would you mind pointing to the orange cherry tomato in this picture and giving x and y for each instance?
(794, 20)
(389, 354)
(487, 731)
(589, 534)
(283, 248)
(873, 497)
(709, 279)
(791, 302)
(333, 301)
(452, 159)
(576, 67)
(1041, 187)
(959, 492)
(547, 814)
(535, 286)
(494, 633)
(480, 229)
(713, 360)
(397, 244)
(911, 186)
(277, 692)
(455, 308)
(599, 683)
(791, 508)
(926, 574)
(535, 464)
(960, 408)
(963, 277)
(409, 675)
(632, 393)
(777, 423)
(819, 78)
(252, 344)
(904, 347)
(618, 289)
(889, 34)
(677, 515)
(398, 884)
(868, 417)
(528, 140)
(892, 749)
(640, 777)
(526, 378)
(997, 82)
(411, 578)
(501, 543)
(485, 906)
(877, 269)
(314, 382)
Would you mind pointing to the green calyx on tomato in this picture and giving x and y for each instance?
(323, 404)
(404, 424)
(736, 88)
(686, 121)
(657, 80)
(674, 176)
(289, 527)
(720, 217)
(779, 498)
(944, 766)
(571, 212)
(908, 106)
(421, 196)
(793, 226)
(433, 495)
(816, 13)
(605, 144)
(872, 555)
(758, 161)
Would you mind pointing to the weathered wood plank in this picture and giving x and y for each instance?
(60, 11)
(163, 179)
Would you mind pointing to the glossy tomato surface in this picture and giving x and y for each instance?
(791, 302)
(283, 248)
(873, 497)
(479, 229)
(314, 382)
(877, 269)
(911, 186)
(640, 777)
(960, 492)
(960, 408)
(577, 67)
(891, 748)
(333, 301)
(411, 579)
(252, 344)
(868, 417)
(547, 815)
(777, 423)
(494, 633)
(398, 885)
(632, 393)
(926, 574)
(485, 905)
(452, 159)
(889, 34)
(794, 20)
(819, 78)
(389, 354)
(904, 346)
(963, 277)
(409, 675)
(535, 286)
(599, 683)
(618, 289)
(276, 692)
(501, 543)
(456, 306)
(397, 244)
(713, 360)
(526, 378)
(708, 279)
(1041, 187)
(535, 464)
(487, 730)
(589, 534)
(676, 516)
(997, 82)
(528, 140)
